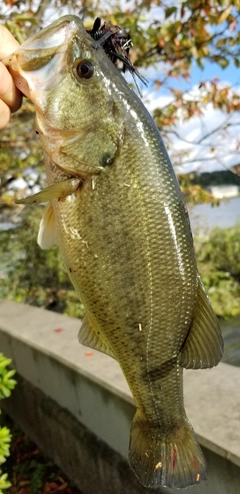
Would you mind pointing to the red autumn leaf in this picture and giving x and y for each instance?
(52, 486)
(62, 487)
(9, 2)
(35, 452)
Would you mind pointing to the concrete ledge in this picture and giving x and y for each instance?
(89, 462)
(92, 389)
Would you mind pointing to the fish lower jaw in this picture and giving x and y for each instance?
(20, 80)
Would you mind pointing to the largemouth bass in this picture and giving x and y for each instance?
(118, 216)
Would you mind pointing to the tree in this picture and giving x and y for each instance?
(172, 37)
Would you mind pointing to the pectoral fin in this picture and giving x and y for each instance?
(203, 347)
(56, 191)
(47, 229)
(89, 336)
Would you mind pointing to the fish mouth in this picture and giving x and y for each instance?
(44, 70)
(38, 64)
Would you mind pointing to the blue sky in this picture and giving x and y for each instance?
(230, 74)
(211, 70)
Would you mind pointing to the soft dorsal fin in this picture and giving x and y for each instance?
(47, 229)
(203, 347)
(89, 336)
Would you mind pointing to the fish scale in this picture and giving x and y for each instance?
(118, 216)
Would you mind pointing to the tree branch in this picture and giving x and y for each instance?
(38, 15)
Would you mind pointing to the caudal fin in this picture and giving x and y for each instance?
(172, 460)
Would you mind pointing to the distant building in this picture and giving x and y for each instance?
(224, 191)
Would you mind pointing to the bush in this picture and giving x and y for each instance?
(219, 265)
(6, 386)
(32, 275)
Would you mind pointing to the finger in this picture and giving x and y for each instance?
(4, 114)
(8, 44)
(8, 91)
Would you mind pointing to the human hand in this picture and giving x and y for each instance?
(10, 96)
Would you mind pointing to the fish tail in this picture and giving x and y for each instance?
(168, 460)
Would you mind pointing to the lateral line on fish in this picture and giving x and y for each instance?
(145, 221)
(56, 191)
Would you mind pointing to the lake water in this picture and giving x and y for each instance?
(205, 217)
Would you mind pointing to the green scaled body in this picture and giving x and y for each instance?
(117, 214)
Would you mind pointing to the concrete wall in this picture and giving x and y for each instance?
(78, 408)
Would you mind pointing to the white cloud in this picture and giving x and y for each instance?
(218, 150)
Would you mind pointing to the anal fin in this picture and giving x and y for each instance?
(89, 336)
(203, 347)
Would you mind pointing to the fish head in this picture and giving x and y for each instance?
(71, 85)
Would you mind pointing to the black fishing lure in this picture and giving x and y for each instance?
(116, 43)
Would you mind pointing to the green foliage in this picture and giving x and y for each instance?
(6, 381)
(195, 187)
(6, 386)
(219, 265)
(29, 471)
(32, 275)
(215, 178)
(37, 478)
(4, 483)
(5, 439)
(193, 192)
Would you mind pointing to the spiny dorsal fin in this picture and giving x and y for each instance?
(47, 230)
(89, 336)
(203, 347)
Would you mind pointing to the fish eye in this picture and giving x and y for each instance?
(85, 69)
